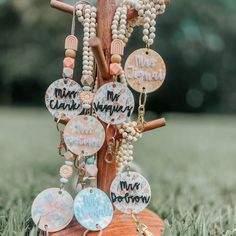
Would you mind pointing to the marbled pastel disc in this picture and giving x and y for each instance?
(93, 209)
(130, 193)
(84, 135)
(145, 70)
(62, 99)
(52, 210)
(113, 103)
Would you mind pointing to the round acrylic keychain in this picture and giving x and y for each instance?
(52, 210)
(145, 70)
(84, 135)
(93, 209)
(130, 192)
(113, 103)
(62, 99)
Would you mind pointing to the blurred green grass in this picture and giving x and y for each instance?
(190, 165)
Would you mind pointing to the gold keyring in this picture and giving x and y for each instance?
(111, 143)
(58, 123)
(143, 98)
(75, 162)
(109, 161)
(115, 132)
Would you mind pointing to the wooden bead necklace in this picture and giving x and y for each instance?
(80, 140)
(87, 17)
(62, 96)
(145, 72)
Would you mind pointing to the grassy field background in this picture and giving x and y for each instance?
(190, 165)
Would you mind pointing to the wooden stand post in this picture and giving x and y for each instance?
(122, 224)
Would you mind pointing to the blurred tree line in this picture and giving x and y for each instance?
(195, 38)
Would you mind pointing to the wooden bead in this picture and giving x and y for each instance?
(69, 156)
(86, 97)
(69, 62)
(71, 42)
(116, 58)
(117, 47)
(66, 171)
(68, 72)
(69, 163)
(115, 69)
(86, 106)
(90, 160)
(87, 80)
(70, 53)
(63, 180)
(92, 170)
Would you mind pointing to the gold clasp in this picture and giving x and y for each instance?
(146, 231)
(111, 143)
(62, 146)
(141, 228)
(110, 153)
(141, 109)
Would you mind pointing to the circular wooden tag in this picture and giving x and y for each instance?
(113, 103)
(62, 99)
(84, 135)
(52, 210)
(93, 209)
(130, 192)
(145, 70)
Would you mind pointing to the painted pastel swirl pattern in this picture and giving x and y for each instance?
(93, 209)
(84, 135)
(52, 210)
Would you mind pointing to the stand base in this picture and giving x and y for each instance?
(122, 224)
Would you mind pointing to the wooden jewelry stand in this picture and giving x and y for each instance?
(122, 224)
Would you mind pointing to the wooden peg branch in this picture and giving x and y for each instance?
(155, 124)
(132, 14)
(96, 46)
(62, 6)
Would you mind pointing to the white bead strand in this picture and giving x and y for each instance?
(87, 16)
(149, 11)
(125, 152)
